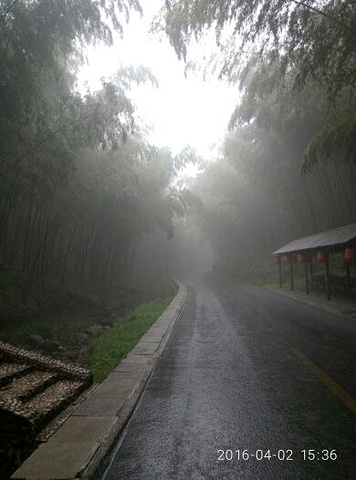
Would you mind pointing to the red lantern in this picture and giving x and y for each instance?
(321, 256)
(286, 259)
(301, 257)
(276, 259)
(350, 254)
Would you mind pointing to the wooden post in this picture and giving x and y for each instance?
(306, 278)
(291, 272)
(283, 270)
(280, 270)
(348, 277)
(327, 281)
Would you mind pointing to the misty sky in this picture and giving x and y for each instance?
(183, 110)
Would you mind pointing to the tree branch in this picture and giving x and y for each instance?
(324, 14)
(35, 147)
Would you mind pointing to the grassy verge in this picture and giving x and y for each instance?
(27, 308)
(63, 322)
(107, 349)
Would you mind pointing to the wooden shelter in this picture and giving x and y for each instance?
(320, 246)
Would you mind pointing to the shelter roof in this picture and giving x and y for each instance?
(330, 238)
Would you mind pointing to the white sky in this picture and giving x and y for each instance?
(183, 111)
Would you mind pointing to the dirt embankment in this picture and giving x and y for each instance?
(60, 322)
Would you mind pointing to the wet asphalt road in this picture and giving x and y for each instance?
(231, 379)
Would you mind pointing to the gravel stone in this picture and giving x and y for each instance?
(34, 389)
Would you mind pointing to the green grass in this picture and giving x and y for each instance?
(56, 314)
(109, 348)
(28, 309)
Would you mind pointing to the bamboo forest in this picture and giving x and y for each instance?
(154, 156)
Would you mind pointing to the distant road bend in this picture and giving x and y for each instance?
(251, 385)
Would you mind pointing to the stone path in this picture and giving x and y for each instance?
(33, 390)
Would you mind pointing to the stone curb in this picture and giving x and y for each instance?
(81, 446)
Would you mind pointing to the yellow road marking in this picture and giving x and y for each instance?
(349, 401)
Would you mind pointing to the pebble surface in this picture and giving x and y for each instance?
(34, 390)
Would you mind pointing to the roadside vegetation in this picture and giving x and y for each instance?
(107, 349)
(64, 323)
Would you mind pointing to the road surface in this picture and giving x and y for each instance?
(251, 385)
